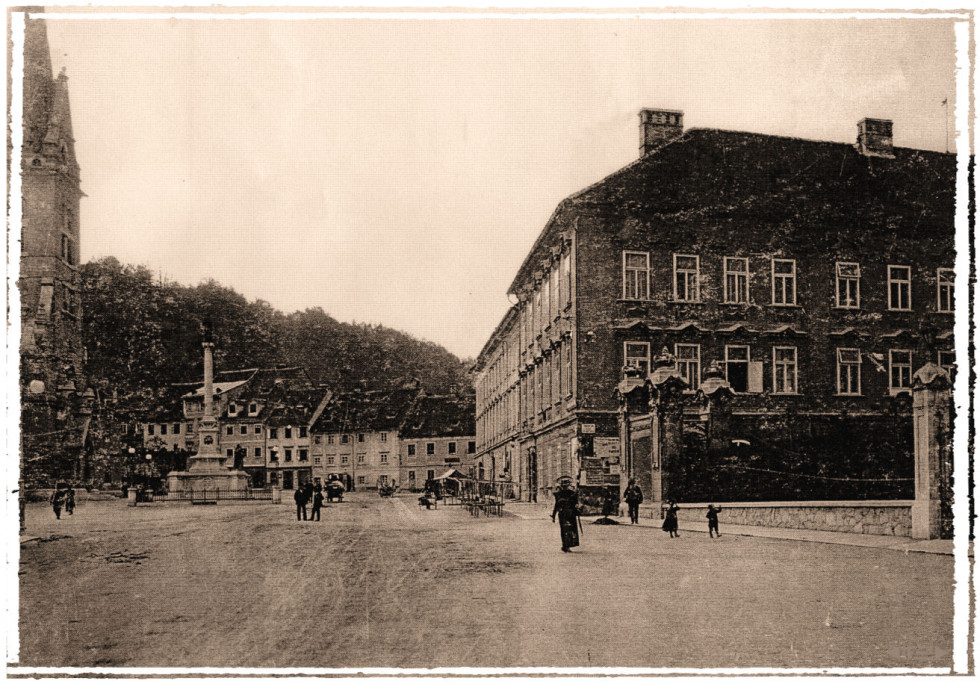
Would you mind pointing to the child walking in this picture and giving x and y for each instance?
(713, 521)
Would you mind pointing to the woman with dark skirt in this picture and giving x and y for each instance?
(566, 510)
(670, 519)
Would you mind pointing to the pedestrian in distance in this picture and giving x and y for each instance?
(633, 496)
(70, 501)
(713, 520)
(317, 503)
(670, 519)
(566, 511)
(57, 501)
(300, 498)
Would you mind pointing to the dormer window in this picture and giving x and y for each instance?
(253, 409)
(232, 410)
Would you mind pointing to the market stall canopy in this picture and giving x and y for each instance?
(453, 474)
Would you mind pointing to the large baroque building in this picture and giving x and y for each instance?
(815, 276)
(56, 403)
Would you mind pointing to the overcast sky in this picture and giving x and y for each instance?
(398, 171)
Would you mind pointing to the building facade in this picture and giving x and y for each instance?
(355, 438)
(264, 417)
(437, 435)
(816, 276)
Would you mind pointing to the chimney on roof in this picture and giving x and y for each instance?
(658, 127)
(875, 138)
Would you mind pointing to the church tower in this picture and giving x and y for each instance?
(55, 404)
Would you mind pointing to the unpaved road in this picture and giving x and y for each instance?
(379, 582)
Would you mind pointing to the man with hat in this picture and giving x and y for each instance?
(566, 510)
(633, 496)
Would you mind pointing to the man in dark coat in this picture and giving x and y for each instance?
(300, 498)
(633, 496)
(317, 503)
(566, 510)
(57, 501)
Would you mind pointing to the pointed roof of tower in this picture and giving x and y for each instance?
(47, 111)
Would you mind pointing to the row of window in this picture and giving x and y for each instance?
(345, 439)
(637, 279)
(745, 375)
(287, 454)
(430, 448)
(344, 459)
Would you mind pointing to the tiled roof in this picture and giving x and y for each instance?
(368, 411)
(798, 191)
(441, 416)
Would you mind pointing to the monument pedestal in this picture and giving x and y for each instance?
(206, 475)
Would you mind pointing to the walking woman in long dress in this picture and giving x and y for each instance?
(566, 510)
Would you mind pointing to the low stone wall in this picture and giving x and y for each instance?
(860, 517)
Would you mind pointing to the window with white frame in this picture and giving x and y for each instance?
(636, 275)
(637, 354)
(686, 287)
(344, 460)
(329, 439)
(688, 363)
(848, 371)
(945, 282)
(736, 280)
(384, 436)
(737, 366)
(430, 448)
(232, 409)
(947, 361)
(900, 288)
(899, 369)
(784, 371)
(253, 409)
(330, 460)
(848, 285)
(452, 448)
(384, 458)
(360, 458)
(784, 282)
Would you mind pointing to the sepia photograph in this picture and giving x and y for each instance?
(427, 342)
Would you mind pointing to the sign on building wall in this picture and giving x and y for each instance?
(607, 449)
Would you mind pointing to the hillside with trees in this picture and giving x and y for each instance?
(141, 334)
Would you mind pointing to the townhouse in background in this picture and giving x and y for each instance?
(437, 436)
(264, 417)
(355, 438)
(815, 276)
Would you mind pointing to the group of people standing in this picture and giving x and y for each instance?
(63, 498)
(309, 493)
(565, 513)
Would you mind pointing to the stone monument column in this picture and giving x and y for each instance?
(207, 472)
(931, 428)
(208, 457)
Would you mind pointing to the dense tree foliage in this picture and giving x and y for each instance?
(141, 334)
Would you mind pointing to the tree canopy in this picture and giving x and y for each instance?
(142, 334)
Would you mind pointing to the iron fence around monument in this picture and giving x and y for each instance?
(206, 496)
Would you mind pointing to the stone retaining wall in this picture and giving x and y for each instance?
(861, 517)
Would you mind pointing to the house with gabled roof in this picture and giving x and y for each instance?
(437, 434)
(245, 401)
(355, 437)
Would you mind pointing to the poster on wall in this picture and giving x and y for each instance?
(607, 449)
